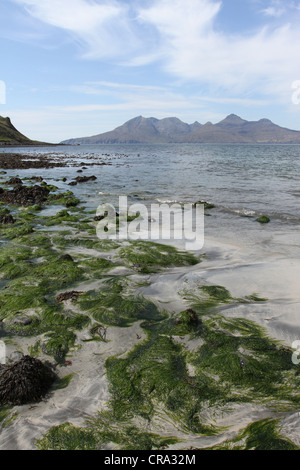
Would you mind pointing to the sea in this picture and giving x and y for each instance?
(241, 180)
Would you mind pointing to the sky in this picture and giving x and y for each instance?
(75, 68)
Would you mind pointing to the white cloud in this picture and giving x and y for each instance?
(104, 87)
(186, 38)
(265, 61)
(100, 28)
(273, 11)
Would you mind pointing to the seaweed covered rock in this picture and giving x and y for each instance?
(66, 257)
(72, 295)
(188, 319)
(85, 179)
(15, 182)
(264, 219)
(37, 178)
(207, 205)
(24, 195)
(6, 219)
(25, 381)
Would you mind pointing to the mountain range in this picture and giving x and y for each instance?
(232, 129)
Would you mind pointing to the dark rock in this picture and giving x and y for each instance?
(15, 182)
(73, 183)
(37, 178)
(190, 318)
(66, 258)
(207, 205)
(263, 219)
(6, 219)
(72, 295)
(194, 320)
(10, 161)
(98, 218)
(25, 196)
(23, 320)
(25, 381)
(84, 179)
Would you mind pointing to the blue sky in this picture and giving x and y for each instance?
(74, 68)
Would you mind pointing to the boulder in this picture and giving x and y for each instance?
(25, 381)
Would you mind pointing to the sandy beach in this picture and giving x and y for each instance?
(262, 265)
(87, 392)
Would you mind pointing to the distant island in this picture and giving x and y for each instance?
(11, 137)
(232, 129)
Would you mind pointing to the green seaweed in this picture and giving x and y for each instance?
(61, 217)
(66, 436)
(207, 205)
(68, 240)
(51, 187)
(204, 299)
(248, 364)
(154, 373)
(96, 266)
(260, 435)
(64, 382)
(125, 435)
(101, 431)
(7, 422)
(256, 298)
(64, 199)
(16, 231)
(4, 413)
(58, 344)
(181, 324)
(149, 257)
(112, 306)
(263, 219)
(55, 273)
(35, 349)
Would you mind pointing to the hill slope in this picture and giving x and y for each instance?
(232, 129)
(10, 136)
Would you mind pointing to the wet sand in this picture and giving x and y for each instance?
(265, 263)
(226, 265)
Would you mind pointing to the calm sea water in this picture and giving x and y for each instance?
(241, 180)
